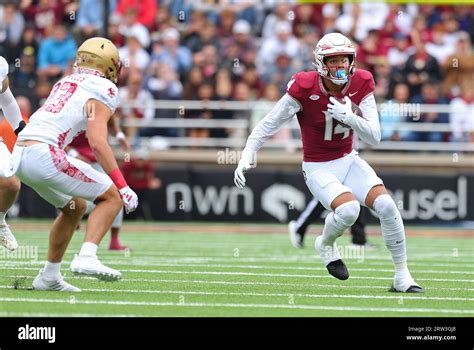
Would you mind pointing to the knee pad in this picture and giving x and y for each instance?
(385, 207)
(348, 213)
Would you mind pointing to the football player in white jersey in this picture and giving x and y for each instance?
(82, 101)
(9, 184)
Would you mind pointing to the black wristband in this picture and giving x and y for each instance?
(21, 126)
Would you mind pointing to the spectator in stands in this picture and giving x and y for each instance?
(23, 79)
(207, 35)
(420, 33)
(28, 39)
(240, 42)
(280, 72)
(208, 60)
(192, 83)
(419, 68)
(305, 57)
(145, 10)
(398, 54)
(114, 31)
(226, 23)
(140, 176)
(461, 117)
(282, 42)
(172, 53)
(55, 53)
(393, 112)
(164, 84)
(205, 94)
(281, 14)
(439, 48)
(253, 81)
(89, 21)
(136, 94)
(11, 27)
(45, 14)
(459, 67)
(134, 55)
(271, 96)
(223, 93)
(382, 78)
(330, 14)
(430, 94)
(308, 18)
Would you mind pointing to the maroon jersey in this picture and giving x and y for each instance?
(81, 145)
(324, 138)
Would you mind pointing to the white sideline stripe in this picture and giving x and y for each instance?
(138, 262)
(304, 295)
(260, 274)
(66, 314)
(237, 305)
(248, 283)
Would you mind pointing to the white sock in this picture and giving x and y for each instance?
(401, 267)
(392, 229)
(339, 220)
(52, 270)
(3, 214)
(89, 249)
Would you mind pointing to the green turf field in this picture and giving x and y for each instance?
(237, 274)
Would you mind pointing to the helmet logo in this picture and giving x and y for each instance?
(111, 92)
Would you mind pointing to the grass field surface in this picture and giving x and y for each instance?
(220, 270)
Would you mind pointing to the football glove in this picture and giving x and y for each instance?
(342, 112)
(129, 198)
(244, 165)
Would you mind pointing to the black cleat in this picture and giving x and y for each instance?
(411, 289)
(338, 269)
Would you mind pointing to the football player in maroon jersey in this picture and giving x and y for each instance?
(333, 171)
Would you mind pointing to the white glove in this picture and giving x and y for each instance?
(245, 164)
(342, 112)
(129, 198)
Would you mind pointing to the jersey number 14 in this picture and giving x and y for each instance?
(339, 129)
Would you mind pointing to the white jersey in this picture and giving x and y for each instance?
(63, 115)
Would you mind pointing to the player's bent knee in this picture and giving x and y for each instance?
(385, 207)
(111, 196)
(348, 212)
(75, 208)
(11, 184)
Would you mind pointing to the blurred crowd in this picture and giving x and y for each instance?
(247, 50)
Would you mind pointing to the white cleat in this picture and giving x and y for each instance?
(404, 283)
(295, 237)
(59, 285)
(91, 266)
(7, 239)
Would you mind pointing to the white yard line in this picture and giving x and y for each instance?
(397, 296)
(238, 305)
(247, 283)
(239, 273)
(139, 262)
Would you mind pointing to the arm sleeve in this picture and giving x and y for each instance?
(368, 126)
(283, 112)
(10, 108)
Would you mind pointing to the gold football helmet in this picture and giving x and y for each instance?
(102, 55)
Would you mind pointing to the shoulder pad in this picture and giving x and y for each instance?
(305, 79)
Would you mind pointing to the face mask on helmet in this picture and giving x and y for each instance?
(335, 44)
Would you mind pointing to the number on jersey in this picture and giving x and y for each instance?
(58, 97)
(339, 129)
